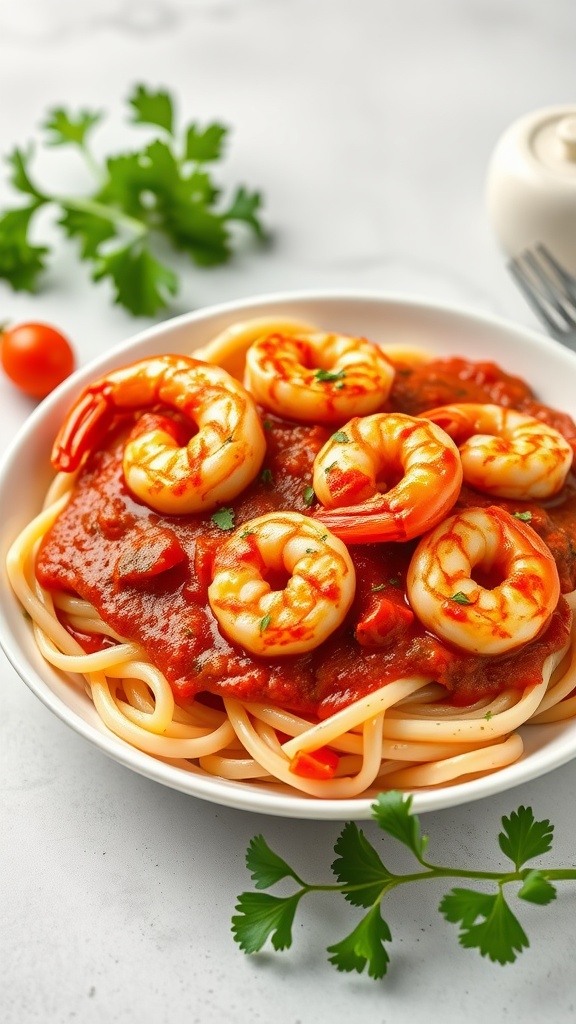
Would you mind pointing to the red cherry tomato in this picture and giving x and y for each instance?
(36, 357)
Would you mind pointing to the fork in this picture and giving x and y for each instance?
(549, 289)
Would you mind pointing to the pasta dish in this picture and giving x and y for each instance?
(301, 559)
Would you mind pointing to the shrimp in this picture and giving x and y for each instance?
(281, 584)
(221, 458)
(504, 452)
(522, 585)
(229, 347)
(318, 377)
(386, 477)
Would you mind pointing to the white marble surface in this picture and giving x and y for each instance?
(368, 125)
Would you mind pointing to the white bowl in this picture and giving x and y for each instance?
(25, 473)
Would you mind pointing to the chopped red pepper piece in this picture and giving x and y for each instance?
(318, 764)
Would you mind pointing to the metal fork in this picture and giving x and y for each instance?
(549, 289)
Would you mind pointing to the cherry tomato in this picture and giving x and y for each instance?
(36, 357)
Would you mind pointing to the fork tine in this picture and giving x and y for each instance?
(553, 288)
(548, 288)
(568, 282)
(527, 288)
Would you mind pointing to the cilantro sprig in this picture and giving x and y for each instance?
(484, 919)
(160, 191)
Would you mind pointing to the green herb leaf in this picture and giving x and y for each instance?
(358, 864)
(392, 811)
(142, 284)
(148, 185)
(329, 376)
(198, 232)
(205, 144)
(21, 263)
(525, 517)
(65, 129)
(244, 207)
(18, 161)
(223, 518)
(309, 496)
(364, 946)
(153, 107)
(89, 228)
(537, 889)
(523, 837)
(262, 916)
(265, 622)
(265, 866)
(340, 436)
(486, 923)
(460, 598)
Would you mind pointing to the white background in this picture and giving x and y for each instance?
(368, 125)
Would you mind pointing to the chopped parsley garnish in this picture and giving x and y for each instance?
(223, 518)
(309, 496)
(329, 376)
(460, 598)
(525, 517)
(393, 581)
(340, 436)
(265, 622)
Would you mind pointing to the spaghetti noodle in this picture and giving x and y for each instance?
(378, 701)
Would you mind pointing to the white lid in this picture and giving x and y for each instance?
(531, 184)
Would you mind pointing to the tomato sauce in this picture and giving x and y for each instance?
(148, 574)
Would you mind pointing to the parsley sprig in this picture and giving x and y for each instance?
(485, 920)
(162, 188)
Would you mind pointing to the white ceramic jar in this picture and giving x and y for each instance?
(531, 184)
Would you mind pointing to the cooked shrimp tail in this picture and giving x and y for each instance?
(83, 428)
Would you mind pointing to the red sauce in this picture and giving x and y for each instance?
(148, 574)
